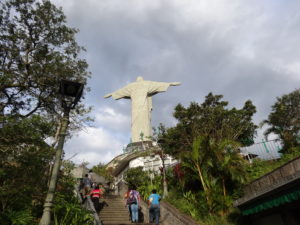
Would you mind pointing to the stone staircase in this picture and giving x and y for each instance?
(114, 212)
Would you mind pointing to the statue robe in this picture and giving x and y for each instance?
(140, 93)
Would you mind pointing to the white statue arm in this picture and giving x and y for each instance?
(157, 87)
(108, 95)
(175, 83)
(124, 92)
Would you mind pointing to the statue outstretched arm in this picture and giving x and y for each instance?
(108, 95)
(124, 92)
(175, 83)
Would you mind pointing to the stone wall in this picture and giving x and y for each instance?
(277, 178)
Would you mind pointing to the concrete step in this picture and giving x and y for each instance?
(125, 222)
(114, 216)
(119, 222)
(106, 222)
(115, 207)
(114, 212)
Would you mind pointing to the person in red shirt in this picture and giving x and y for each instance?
(96, 194)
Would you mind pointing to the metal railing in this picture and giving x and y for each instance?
(266, 150)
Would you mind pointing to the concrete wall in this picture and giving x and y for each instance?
(79, 172)
(289, 172)
(151, 163)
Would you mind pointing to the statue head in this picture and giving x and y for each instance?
(139, 78)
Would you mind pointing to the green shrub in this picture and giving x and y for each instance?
(70, 212)
(22, 217)
(215, 220)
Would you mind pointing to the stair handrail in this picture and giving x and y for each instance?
(88, 204)
(97, 220)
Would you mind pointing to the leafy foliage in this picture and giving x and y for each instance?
(103, 171)
(284, 120)
(68, 211)
(212, 119)
(24, 163)
(260, 167)
(37, 51)
(19, 217)
(207, 140)
(135, 178)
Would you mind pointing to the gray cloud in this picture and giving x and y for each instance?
(241, 49)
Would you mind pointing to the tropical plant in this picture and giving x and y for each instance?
(136, 177)
(18, 217)
(149, 184)
(206, 140)
(70, 212)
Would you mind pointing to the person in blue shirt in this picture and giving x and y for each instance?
(154, 207)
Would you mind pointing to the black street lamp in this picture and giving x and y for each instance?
(70, 92)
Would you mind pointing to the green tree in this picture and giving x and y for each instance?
(135, 177)
(139, 179)
(24, 167)
(102, 170)
(211, 119)
(207, 140)
(284, 120)
(38, 49)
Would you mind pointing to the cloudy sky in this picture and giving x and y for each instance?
(246, 49)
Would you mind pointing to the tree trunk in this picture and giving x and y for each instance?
(165, 184)
(201, 178)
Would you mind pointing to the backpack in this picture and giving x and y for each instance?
(132, 198)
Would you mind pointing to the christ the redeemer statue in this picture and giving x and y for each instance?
(140, 92)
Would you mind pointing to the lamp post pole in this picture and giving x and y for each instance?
(71, 91)
(46, 218)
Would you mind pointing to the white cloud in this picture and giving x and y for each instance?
(241, 49)
(112, 119)
(93, 145)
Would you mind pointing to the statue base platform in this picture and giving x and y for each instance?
(138, 146)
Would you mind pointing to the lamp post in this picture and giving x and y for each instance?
(71, 93)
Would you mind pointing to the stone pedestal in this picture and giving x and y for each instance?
(138, 146)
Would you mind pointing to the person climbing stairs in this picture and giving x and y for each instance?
(114, 212)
